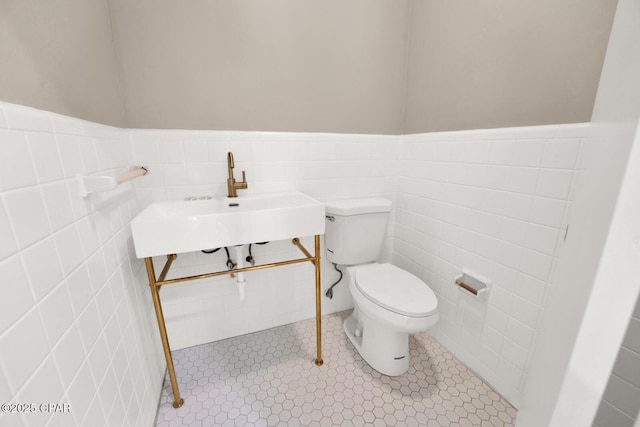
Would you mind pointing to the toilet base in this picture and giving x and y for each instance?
(385, 350)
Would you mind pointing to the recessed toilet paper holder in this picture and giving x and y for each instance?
(473, 283)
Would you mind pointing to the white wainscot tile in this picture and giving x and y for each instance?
(43, 387)
(519, 333)
(515, 179)
(56, 312)
(43, 267)
(69, 248)
(515, 354)
(24, 346)
(25, 118)
(514, 231)
(554, 183)
(172, 152)
(88, 235)
(561, 153)
(536, 264)
(16, 166)
(8, 243)
(542, 239)
(15, 285)
(81, 393)
(525, 312)
(28, 215)
(80, 291)
(517, 205)
(58, 204)
(89, 325)
(493, 339)
(69, 148)
(501, 299)
(44, 151)
(547, 211)
(531, 288)
(517, 153)
(5, 393)
(88, 156)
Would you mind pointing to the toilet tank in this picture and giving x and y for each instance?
(355, 229)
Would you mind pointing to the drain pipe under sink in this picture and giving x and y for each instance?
(240, 275)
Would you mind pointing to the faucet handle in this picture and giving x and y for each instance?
(244, 177)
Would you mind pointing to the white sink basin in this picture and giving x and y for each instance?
(186, 226)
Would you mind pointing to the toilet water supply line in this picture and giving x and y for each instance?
(329, 292)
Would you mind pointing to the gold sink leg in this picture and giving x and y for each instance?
(177, 400)
(318, 360)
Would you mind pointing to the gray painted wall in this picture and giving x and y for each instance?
(59, 56)
(500, 63)
(360, 66)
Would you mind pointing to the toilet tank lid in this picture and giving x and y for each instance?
(357, 206)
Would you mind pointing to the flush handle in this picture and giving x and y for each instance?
(330, 218)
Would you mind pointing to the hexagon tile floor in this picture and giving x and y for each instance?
(268, 378)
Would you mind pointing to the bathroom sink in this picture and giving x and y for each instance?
(191, 225)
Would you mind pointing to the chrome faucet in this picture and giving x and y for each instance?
(232, 184)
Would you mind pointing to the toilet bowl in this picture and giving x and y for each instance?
(389, 303)
(385, 315)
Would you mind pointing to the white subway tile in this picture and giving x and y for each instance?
(623, 395)
(554, 183)
(517, 205)
(56, 312)
(561, 153)
(8, 245)
(66, 125)
(15, 287)
(24, 346)
(44, 151)
(69, 148)
(535, 264)
(80, 290)
(632, 337)
(525, 312)
(81, 393)
(97, 270)
(88, 156)
(89, 325)
(531, 288)
(99, 359)
(5, 393)
(69, 248)
(514, 354)
(16, 166)
(171, 152)
(42, 267)
(25, 118)
(58, 204)
(541, 239)
(517, 153)
(43, 387)
(519, 333)
(28, 215)
(547, 211)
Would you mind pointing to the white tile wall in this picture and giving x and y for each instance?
(75, 326)
(621, 401)
(492, 201)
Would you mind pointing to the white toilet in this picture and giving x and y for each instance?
(389, 303)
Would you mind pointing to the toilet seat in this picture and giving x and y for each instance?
(396, 290)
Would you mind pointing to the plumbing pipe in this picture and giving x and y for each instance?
(240, 276)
